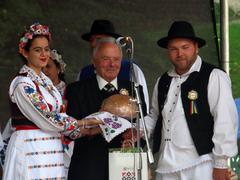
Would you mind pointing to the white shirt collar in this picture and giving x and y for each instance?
(195, 67)
(102, 82)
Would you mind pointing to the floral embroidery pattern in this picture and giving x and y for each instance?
(53, 116)
(112, 124)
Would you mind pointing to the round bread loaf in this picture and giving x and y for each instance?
(120, 105)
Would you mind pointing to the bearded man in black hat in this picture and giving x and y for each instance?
(193, 116)
(102, 28)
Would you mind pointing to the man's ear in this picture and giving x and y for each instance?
(93, 62)
(197, 49)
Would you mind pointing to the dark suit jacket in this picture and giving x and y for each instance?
(90, 155)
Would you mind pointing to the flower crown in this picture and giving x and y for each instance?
(34, 29)
(58, 57)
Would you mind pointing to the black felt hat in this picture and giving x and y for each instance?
(101, 26)
(181, 29)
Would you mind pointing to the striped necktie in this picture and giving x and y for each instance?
(109, 87)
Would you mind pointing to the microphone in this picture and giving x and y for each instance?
(127, 43)
(123, 41)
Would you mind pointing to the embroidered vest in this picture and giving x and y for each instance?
(200, 123)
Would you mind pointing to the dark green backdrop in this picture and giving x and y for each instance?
(145, 21)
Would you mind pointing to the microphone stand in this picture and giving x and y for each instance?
(140, 116)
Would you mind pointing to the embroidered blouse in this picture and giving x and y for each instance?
(41, 103)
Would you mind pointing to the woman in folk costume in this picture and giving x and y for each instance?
(35, 149)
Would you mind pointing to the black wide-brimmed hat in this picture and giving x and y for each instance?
(180, 29)
(101, 26)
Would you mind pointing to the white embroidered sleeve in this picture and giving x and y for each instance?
(32, 105)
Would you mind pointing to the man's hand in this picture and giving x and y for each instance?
(130, 134)
(130, 137)
(221, 174)
(95, 131)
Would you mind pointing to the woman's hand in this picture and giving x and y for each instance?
(86, 129)
(89, 122)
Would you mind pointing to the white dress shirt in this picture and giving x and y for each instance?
(177, 150)
(102, 82)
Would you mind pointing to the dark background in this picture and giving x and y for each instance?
(145, 21)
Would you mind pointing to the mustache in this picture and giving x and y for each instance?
(180, 58)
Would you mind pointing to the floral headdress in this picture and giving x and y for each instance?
(58, 57)
(34, 29)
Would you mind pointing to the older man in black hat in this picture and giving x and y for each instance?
(102, 28)
(193, 115)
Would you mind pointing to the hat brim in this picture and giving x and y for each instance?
(163, 42)
(87, 36)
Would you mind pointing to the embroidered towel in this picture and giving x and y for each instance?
(113, 125)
